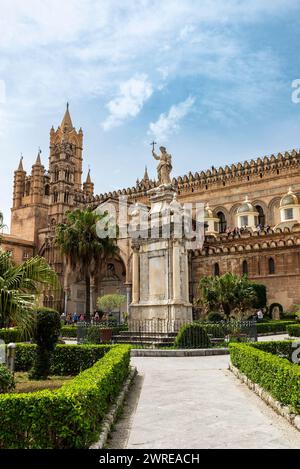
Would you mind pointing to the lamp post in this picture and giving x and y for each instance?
(11, 355)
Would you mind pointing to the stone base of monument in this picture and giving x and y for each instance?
(162, 317)
(155, 325)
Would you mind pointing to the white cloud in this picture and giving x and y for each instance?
(168, 123)
(129, 102)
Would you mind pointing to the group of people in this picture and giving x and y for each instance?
(74, 318)
(236, 230)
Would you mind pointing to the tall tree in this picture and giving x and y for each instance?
(20, 286)
(81, 245)
(226, 293)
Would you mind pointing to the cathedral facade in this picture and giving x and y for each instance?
(252, 221)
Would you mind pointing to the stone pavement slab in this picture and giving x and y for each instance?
(196, 402)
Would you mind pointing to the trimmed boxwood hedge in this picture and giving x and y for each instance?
(94, 334)
(273, 326)
(192, 336)
(66, 359)
(293, 330)
(276, 375)
(69, 417)
(12, 334)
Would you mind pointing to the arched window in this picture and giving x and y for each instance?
(66, 198)
(222, 222)
(245, 268)
(56, 174)
(55, 197)
(261, 215)
(27, 188)
(216, 269)
(271, 266)
(47, 189)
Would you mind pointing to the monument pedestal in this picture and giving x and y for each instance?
(160, 277)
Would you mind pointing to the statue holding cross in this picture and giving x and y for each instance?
(164, 167)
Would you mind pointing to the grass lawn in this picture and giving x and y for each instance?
(24, 384)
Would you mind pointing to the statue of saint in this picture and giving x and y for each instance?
(164, 167)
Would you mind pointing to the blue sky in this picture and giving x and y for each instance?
(209, 79)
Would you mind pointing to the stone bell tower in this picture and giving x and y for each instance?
(65, 167)
(160, 274)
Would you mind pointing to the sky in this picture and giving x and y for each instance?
(215, 81)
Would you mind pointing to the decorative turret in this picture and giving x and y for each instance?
(88, 185)
(247, 216)
(37, 180)
(289, 207)
(19, 185)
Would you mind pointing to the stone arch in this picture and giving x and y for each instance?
(259, 203)
(245, 267)
(232, 214)
(223, 224)
(216, 269)
(273, 214)
(27, 188)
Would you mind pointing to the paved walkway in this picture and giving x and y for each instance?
(195, 402)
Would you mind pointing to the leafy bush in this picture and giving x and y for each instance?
(46, 334)
(7, 382)
(13, 334)
(192, 336)
(93, 336)
(65, 360)
(69, 417)
(108, 303)
(69, 331)
(215, 317)
(293, 330)
(281, 348)
(261, 295)
(276, 375)
(273, 326)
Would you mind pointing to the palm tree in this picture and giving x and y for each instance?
(2, 225)
(226, 293)
(20, 286)
(81, 245)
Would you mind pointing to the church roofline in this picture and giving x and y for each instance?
(260, 165)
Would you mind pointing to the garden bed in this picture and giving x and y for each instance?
(24, 384)
(71, 416)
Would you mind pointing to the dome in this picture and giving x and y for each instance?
(289, 199)
(246, 207)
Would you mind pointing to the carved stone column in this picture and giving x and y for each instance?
(176, 272)
(135, 276)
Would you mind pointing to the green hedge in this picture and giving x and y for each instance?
(192, 336)
(71, 331)
(293, 330)
(69, 417)
(66, 359)
(276, 375)
(273, 326)
(12, 334)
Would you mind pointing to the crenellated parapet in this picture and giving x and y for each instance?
(235, 173)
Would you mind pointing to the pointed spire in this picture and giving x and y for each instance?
(20, 168)
(146, 177)
(38, 158)
(88, 178)
(66, 123)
